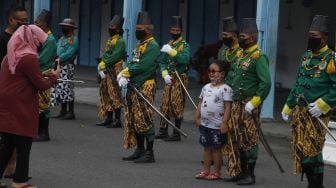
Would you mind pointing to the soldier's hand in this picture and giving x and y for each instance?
(314, 110)
(249, 107)
(285, 117)
(166, 48)
(123, 82)
(168, 79)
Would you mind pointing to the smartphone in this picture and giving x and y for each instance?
(56, 64)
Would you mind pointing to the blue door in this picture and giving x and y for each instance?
(89, 32)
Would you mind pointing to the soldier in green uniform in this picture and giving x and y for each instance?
(228, 55)
(109, 67)
(175, 61)
(140, 72)
(313, 95)
(67, 50)
(46, 57)
(251, 84)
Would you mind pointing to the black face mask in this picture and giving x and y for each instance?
(175, 36)
(140, 34)
(227, 41)
(242, 43)
(112, 32)
(20, 24)
(314, 43)
(66, 31)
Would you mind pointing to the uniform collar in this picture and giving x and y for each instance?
(251, 49)
(177, 41)
(324, 49)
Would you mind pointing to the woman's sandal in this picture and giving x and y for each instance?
(202, 175)
(24, 186)
(213, 176)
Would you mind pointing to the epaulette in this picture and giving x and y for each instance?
(70, 40)
(331, 67)
(256, 54)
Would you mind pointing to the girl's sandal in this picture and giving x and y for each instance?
(24, 186)
(201, 175)
(213, 176)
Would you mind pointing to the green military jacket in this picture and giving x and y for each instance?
(47, 54)
(178, 60)
(315, 81)
(115, 51)
(251, 76)
(143, 64)
(228, 55)
(67, 49)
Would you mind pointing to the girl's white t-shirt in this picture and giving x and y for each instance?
(212, 104)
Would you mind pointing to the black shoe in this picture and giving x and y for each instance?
(105, 123)
(163, 133)
(115, 124)
(173, 138)
(147, 158)
(234, 178)
(11, 176)
(137, 154)
(42, 139)
(248, 180)
(69, 116)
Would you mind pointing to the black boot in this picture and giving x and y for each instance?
(70, 115)
(136, 155)
(250, 178)
(116, 123)
(147, 158)
(309, 171)
(107, 121)
(63, 111)
(234, 178)
(176, 135)
(163, 133)
(43, 134)
(318, 181)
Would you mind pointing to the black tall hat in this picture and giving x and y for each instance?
(248, 25)
(176, 21)
(229, 25)
(144, 18)
(319, 23)
(44, 16)
(117, 21)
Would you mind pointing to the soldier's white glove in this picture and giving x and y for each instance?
(249, 107)
(168, 79)
(285, 117)
(101, 74)
(314, 110)
(123, 82)
(166, 48)
(119, 76)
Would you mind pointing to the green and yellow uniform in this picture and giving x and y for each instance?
(173, 97)
(315, 82)
(140, 70)
(111, 63)
(230, 55)
(251, 82)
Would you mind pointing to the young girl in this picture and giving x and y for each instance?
(212, 116)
